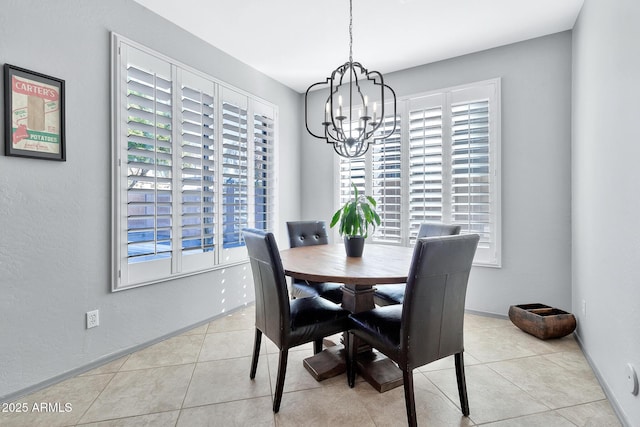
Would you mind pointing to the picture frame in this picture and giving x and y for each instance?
(34, 119)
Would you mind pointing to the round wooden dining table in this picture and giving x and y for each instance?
(379, 265)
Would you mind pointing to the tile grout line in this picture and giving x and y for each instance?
(102, 391)
(550, 410)
(126, 417)
(488, 365)
(446, 396)
(529, 394)
(195, 366)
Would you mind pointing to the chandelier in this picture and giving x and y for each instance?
(349, 122)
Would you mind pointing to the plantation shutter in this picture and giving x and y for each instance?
(449, 151)
(470, 176)
(426, 177)
(148, 158)
(352, 171)
(193, 165)
(197, 167)
(386, 179)
(263, 158)
(235, 190)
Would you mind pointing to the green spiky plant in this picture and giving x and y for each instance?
(357, 216)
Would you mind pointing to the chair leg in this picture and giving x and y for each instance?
(317, 346)
(256, 353)
(351, 358)
(409, 398)
(282, 369)
(462, 384)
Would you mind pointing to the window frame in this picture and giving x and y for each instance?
(124, 276)
(448, 98)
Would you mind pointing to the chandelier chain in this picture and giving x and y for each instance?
(350, 31)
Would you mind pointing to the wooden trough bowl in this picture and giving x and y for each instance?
(542, 321)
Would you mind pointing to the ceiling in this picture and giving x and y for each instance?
(300, 42)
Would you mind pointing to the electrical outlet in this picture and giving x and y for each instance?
(93, 319)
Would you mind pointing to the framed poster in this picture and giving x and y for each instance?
(34, 114)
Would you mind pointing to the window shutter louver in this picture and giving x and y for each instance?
(352, 171)
(198, 170)
(263, 127)
(235, 212)
(425, 168)
(470, 180)
(386, 178)
(149, 164)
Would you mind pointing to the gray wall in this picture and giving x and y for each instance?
(536, 116)
(606, 193)
(55, 217)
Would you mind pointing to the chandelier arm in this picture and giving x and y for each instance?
(337, 128)
(331, 139)
(395, 113)
(343, 151)
(306, 108)
(335, 148)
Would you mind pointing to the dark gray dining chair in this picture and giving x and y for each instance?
(429, 324)
(308, 233)
(288, 323)
(394, 294)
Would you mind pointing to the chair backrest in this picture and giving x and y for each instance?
(307, 233)
(433, 309)
(432, 229)
(272, 298)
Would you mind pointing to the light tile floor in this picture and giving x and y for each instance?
(201, 378)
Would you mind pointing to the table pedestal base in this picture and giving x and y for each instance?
(374, 367)
(329, 363)
(379, 371)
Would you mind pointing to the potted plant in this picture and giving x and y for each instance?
(356, 217)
